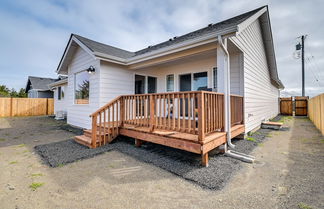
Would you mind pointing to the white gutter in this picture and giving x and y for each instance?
(227, 94)
(227, 110)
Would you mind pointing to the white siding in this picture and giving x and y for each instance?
(192, 65)
(60, 105)
(115, 80)
(78, 114)
(236, 72)
(261, 97)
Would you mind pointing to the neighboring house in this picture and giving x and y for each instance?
(59, 88)
(37, 87)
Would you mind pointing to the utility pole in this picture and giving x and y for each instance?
(303, 65)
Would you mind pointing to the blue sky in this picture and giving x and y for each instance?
(33, 34)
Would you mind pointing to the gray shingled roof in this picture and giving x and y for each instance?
(110, 50)
(39, 83)
(104, 48)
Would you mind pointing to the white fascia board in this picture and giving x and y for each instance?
(110, 58)
(58, 83)
(250, 20)
(181, 46)
(84, 47)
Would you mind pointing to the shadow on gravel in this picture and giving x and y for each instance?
(184, 164)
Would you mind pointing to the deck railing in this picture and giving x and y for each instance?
(192, 112)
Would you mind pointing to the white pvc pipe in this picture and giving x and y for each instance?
(227, 95)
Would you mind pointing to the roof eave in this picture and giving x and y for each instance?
(212, 37)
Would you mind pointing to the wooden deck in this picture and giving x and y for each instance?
(191, 121)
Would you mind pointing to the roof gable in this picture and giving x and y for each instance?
(39, 83)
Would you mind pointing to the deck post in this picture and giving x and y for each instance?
(152, 112)
(138, 142)
(204, 159)
(201, 117)
(94, 132)
(122, 111)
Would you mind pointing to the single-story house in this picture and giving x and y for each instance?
(37, 87)
(184, 75)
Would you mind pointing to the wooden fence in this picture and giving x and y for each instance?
(26, 107)
(316, 111)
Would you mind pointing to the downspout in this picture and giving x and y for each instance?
(227, 95)
(227, 108)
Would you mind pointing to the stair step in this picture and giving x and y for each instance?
(88, 132)
(84, 140)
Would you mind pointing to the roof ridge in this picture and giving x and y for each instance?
(172, 40)
(31, 76)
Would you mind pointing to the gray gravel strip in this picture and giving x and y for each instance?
(182, 163)
(67, 151)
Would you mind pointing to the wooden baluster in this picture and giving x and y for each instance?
(189, 112)
(152, 113)
(193, 122)
(173, 112)
(108, 123)
(113, 120)
(100, 128)
(183, 113)
(160, 112)
(94, 131)
(169, 112)
(105, 123)
(122, 110)
(134, 109)
(201, 117)
(178, 111)
(164, 111)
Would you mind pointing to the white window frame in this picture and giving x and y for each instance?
(166, 83)
(215, 88)
(146, 82)
(74, 79)
(192, 80)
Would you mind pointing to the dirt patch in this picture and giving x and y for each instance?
(289, 174)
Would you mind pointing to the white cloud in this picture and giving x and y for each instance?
(33, 35)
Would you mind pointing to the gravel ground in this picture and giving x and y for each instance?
(184, 164)
(288, 174)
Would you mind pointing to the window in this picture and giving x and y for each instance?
(185, 82)
(151, 84)
(60, 93)
(81, 88)
(215, 78)
(170, 83)
(200, 81)
(139, 84)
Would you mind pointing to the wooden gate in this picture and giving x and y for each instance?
(286, 106)
(301, 106)
(291, 105)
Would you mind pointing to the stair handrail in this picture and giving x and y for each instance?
(106, 106)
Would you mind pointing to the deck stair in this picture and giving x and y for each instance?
(102, 137)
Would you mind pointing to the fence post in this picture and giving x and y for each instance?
(11, 112)
(201, 116)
